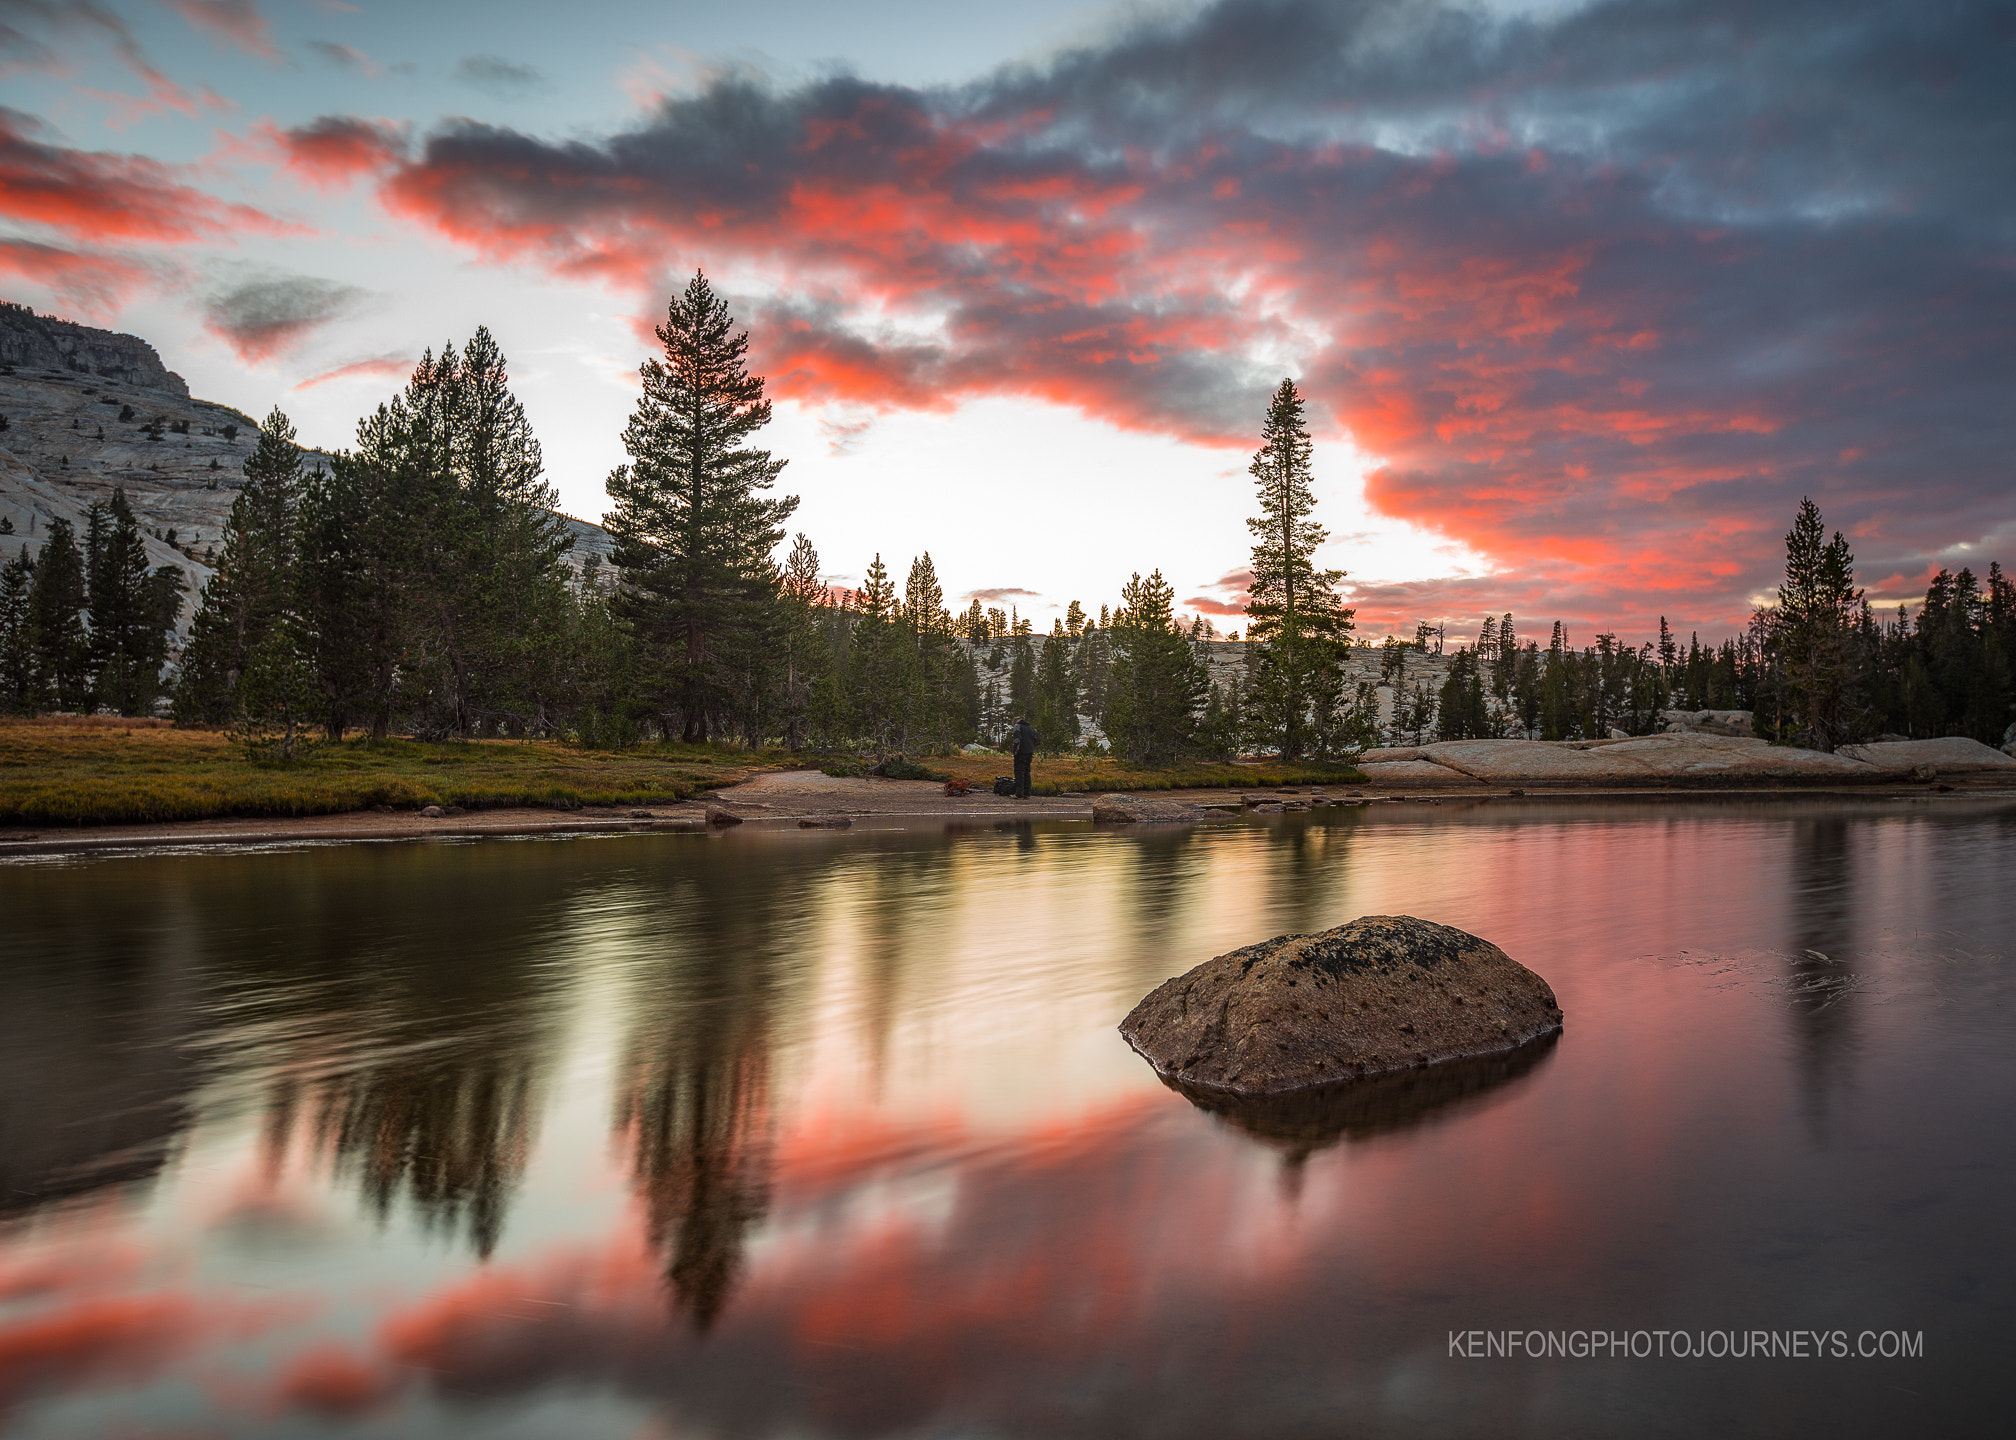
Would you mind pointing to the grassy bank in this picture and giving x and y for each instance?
(1057, 775)
(98, 771)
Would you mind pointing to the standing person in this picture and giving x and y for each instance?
(1025, 751)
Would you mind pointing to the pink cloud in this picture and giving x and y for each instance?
(237, 21)
(385, 367)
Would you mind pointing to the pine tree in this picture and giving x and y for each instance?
(1809, 632)
(254, 580)
(17, 654)
(510, 563)
(126, 640)
(1156, 687)
(1460, 712)
(1021, 676)
(877, 665)
(355, 562)
(693, 531)
(1056, 693)
(807, 656)
(930, 692)
(57, 640)
(483, 548)
(1293, 613)
(278, 697)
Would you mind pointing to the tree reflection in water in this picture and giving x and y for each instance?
(1818, 975)
(407, 1025)
(694, 1106)
(452, 1138)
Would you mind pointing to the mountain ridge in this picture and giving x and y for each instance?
(88, 411)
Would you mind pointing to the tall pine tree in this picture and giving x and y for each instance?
(1293, 613)
(482, 569)
(254, 580)
(878, 666)
(694, 530)
(1809, 632)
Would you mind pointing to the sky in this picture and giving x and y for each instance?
(1584, 297)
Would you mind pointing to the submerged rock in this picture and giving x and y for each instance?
(719, 817)
(1383, 993)
(1133, 809)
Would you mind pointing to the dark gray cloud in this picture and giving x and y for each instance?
(1605, 292)
(269, 317)
(347, 57)
(500, 78)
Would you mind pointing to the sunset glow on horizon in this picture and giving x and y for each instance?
(1584, 297)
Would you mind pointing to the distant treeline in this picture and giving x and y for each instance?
(420, 583)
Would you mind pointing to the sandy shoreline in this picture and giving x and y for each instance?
(781, 801)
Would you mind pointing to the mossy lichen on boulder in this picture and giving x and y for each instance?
(1383, 993)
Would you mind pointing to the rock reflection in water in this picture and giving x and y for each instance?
(1302, 1122)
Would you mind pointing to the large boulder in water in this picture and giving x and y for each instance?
(1385, 992)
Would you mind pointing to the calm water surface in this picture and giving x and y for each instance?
(809, 1135)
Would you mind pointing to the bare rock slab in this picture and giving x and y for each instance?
(1953, 755)
(1137, 810)
(1412, 772)
(1383, 993)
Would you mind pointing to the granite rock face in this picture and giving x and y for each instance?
(1412, 772)
(1383, 993)
(1952, 755)
(1710, 722)
(42, 342)
(1498, 762)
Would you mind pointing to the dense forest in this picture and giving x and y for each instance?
(419, 583)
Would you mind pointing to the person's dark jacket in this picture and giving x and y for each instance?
(1025, 738)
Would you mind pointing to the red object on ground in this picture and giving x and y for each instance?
(958, 787)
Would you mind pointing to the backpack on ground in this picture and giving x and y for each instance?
(1004, 784)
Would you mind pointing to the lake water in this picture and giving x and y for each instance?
(813, 1134)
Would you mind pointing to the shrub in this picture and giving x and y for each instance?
(899, 767)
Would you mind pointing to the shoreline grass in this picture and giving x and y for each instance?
(85, 771)
(102, 770)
